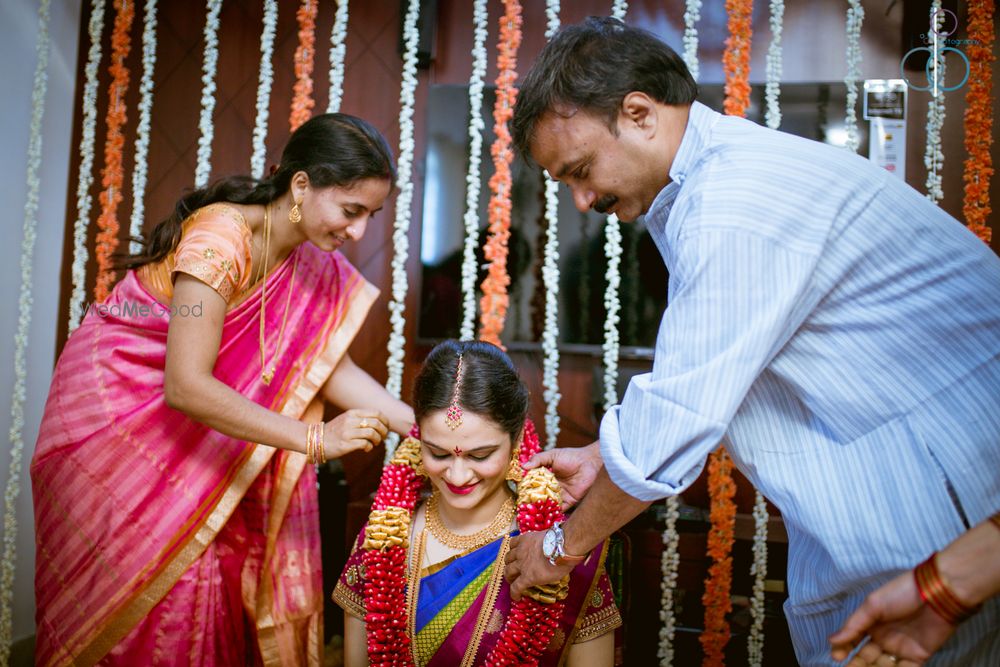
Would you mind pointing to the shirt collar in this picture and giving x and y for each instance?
(700, 122)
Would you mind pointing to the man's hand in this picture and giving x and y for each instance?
(898, 623)
(576, 469)
(527, 567)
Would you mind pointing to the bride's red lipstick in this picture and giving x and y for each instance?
(462, 490)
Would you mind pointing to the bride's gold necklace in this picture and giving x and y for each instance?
(499, 526)
(266, 373)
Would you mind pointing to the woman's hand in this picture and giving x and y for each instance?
(353, 430)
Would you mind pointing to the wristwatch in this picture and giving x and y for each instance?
(553, 547)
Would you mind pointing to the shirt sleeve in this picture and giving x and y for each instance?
(738, 299)
(349, 592)
(215, 249)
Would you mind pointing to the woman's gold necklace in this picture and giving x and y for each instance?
(267, 374)
(499, 526)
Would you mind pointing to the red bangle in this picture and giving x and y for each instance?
(936, 594)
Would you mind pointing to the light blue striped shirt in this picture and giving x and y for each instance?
(842, 335)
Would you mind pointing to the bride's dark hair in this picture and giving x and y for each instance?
(490, 386)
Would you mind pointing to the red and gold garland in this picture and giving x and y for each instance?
(529, 626)
(721, 487)
(302, 101)
(979, 119)
(495, 300)
(736, 59)
(113, 174)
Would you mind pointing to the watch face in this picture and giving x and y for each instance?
(549, 544)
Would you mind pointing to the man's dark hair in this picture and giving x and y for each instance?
(592, 66)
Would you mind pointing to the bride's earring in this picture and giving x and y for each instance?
(514, 471)
(295, 213)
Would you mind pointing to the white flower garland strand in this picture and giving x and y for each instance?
(550, 277)
(855, 17)
(21, 337)
(669, 561)
(473, 178)
(86, 178)
(619, 9)
(933, 153)
(400, 239)
(755, 640)
(265, 79)
(209, 66)
(612, 304)
(772, 114)
(692, 14)
(338, 52)
(142, 131)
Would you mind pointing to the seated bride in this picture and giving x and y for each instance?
(424, 584)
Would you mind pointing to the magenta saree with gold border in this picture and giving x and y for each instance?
(160, 540)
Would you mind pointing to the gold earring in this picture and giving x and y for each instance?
(515, 473)
(294, 214)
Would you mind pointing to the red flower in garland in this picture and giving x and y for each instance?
(113, 173)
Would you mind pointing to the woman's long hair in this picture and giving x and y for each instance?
(333, 149)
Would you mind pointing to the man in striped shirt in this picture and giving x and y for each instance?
(834, 329)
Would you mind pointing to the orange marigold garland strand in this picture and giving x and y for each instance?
(113, 174)
(736, 59)
(722, 489)
(302, 101)
(716, 599)
(979, 119)
(494, 302)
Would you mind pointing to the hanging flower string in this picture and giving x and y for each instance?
(716, 598)
(755, 639)
(530, 624)
(142, 132)
(550, 278)
(772, 113)
(338, 52)
(979, 119)
(933, 153)
(21, 337)
(692, 14)
(265, 78)
(736, 58)
(495, 300)
(208, 70)
(400, 238)
(86, 178)
(718, 585)
(855, 16)
(612, 303)
(113, 175)
(302, 101)
(669, 561)
(473, 177)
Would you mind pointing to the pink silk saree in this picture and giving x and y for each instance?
(145, 518)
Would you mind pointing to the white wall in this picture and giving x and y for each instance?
(18, 34)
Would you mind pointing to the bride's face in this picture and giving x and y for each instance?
(467, 466)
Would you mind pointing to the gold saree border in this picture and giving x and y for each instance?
(294, 463)
(586, 603)
(196, 541)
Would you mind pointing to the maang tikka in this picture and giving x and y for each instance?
(453, 417)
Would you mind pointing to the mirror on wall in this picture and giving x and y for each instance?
(815, 111)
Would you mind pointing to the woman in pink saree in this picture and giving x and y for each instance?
(175, 501)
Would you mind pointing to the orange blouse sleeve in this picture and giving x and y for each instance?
(215, 248)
